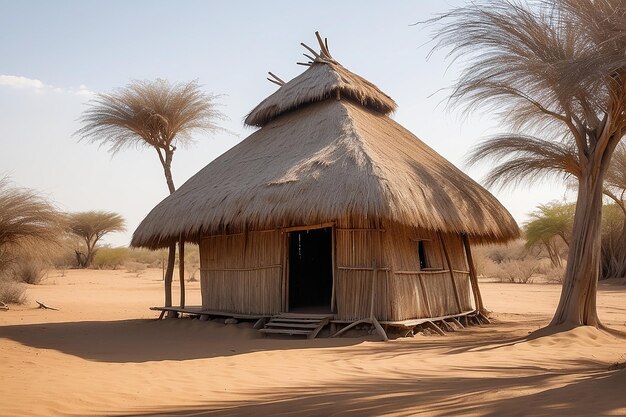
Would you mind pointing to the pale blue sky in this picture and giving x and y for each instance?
(53, 53)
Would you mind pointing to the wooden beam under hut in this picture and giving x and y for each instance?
(449, 265)
(478, 300)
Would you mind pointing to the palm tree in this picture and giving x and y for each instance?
(556, 71)
(158, 115)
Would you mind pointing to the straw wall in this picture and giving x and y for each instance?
(242, 272)
(402, 290)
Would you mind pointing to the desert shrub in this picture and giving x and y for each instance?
(499, 253)
(555, 274)
(518, 271)
(111, 258)
(135, 267)
(148, 257)
(28, 272)
(11, 291)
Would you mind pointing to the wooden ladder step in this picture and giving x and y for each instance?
(286, 331)
(287, 320)
(292, 325)
(304, 316)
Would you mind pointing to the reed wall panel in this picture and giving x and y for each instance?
(358, 254)
(242, 272)
(464, 288)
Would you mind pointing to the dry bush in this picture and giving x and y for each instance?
(518, 271)
(555, 275)
(29, 272)
(135, 267)
(111, 258)
(11, 291)
(501, 252)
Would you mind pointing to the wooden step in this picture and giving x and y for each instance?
(292, 325)
(305, 316)
(297, 324)
(288, 320)
(286, 331)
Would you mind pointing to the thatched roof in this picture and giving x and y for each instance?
(325, 159)
(319, 82)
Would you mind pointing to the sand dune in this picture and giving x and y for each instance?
(104, 354)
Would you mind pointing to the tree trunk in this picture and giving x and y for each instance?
(169, 273)
(171, 256)
(577, 305)
(181, 271)
(553, 253)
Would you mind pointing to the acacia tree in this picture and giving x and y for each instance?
(91, 226)
(555, 70)
(158, 115)
(549, 222)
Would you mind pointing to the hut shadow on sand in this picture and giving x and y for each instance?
(138, 341)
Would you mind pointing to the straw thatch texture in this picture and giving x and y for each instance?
(329, 160)
(319, 82)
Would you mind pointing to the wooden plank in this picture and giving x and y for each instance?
(311, 227)
(254, 268)
(333, 296)
(199, 311)
(292, 325)
(285, 272)
(303, 316)
(285, 331)
(478, 300)
(422, 272)
(362, 229)
(289, 320)
(259, 323)
(379, 329)
(435, 328)
(416, 322)
(313, 334)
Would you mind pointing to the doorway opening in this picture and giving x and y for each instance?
(311, 270)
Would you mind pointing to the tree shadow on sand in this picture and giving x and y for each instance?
(594, 392)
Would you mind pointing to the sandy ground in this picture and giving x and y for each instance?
(104, 354)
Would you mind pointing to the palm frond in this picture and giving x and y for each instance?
(524, 158)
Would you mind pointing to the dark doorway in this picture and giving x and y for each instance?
(310, 270)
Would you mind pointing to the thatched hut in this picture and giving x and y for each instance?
(331, 206)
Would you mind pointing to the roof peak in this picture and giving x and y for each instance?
(324, 79)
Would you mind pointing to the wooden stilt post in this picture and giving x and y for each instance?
(181, 270)
(478, 300)
(447, 256)
(333, 297)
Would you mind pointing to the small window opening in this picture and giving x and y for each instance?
(421, 251)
